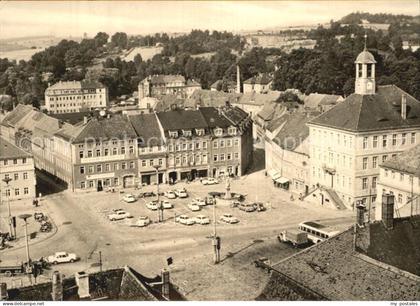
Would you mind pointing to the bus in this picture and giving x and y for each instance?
(317, 232)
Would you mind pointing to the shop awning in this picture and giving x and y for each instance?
(282, 180)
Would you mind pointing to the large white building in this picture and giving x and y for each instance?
(351, 140)
(75, 96)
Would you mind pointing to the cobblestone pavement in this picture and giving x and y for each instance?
(83, 228)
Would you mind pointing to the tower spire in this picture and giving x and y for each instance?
(365, 41)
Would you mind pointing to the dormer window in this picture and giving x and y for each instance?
(199, 132)
(218, 132)
(186, 133)
(232, 131)
(173, 134)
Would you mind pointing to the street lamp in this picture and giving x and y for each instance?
(160, 208)
(7, 181)
(25, 217)
(216, 239)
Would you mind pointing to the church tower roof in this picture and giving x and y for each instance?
(365, 57)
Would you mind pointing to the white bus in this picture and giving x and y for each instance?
(317, 232)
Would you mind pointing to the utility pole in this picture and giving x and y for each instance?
(7, 181)
(216, 242)
(25, 217)
(160, 208)
(100, 261)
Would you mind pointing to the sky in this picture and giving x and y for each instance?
(73, 18)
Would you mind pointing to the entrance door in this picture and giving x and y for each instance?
(99, 186)
(145, 179)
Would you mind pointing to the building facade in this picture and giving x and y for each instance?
(159, 85)
(17, 173)
(349, 142)
(400, 176)
(75, 96)
(259, 84)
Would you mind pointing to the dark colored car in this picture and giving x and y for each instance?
(247, 207)
(259, 206)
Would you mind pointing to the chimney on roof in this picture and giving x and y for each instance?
(361, 209)
(404, 107)
(3, 292)
(165, 284)
(238, 79)
(388, 210)
(57, 287)
(82, 282)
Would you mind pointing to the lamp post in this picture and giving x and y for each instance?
(216, 239)
(7, 181)
(160, 208)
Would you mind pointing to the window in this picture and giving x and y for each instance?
(150, 149)
(232, 131)
(90, 169)
(197, 145)
(177, 160)
(384, 141)
(228, 142)
(171, 148)
(204, 145)
(364, 183)
(82, 185)
(184, 147)
(222, 157)
(236, 155)
(107, 167)
(160, 161)
(394, 139)
(236, 142)
(401, 177)
(190, 146)
(365, 142)
(25, 175)
(218, 132)
(98, 168)
(131, 165)
(375, 142)
(215, 157)
(151, 162)
(204, 158)
(23, 160)
(122, 150)
(184, 160)
(114, 151)
(222, 143)
(173, 134)
(17, 192)
(91, 184)
(400, 198)
(186, 133)
(116, 181)
(106, 152)
(143, 163)
(215, 145)
(229, 156)
(7, 192)
(365, 162)
(199, 132)
(403, 138)
(123, 165)
(16, 176)
(374, 162)
(82, 170)
(89, 153)
(15, 161)
(384, 157)
(413, 138)
(178, 147)
(374, 180)
(131, 149)
(5, 162)
(116, 166)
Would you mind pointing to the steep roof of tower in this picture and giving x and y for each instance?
(365, 57)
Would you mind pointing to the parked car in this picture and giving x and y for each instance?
(39, 216)
(228, 218)
(117, 209)
(62, 257)
(247, 207)
(167, 205)
(235, 204)
(153, 205)
(170, 194)
(181, 193)
(142, 222)
(209, 181)
(129, 198)
(199, 202)
(147, 194)
(200, 219)
(46, 226)
(209, 200)
(295, 237)
(259, 206)
(183, 219)
(119, 215)
(194, 207)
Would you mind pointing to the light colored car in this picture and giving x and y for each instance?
(152, 205)
(183, 219)
(210, 181)
(170, 194)
(228, 218)
(129, 198)
(200, 219)
(142, 222)
(194, 207)
(167, 205)
(199, 202)
(119, 215)
(62, 257)
(181, 193)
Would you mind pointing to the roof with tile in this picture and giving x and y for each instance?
(262, 79)
(316, 99)
(9, 150)
(147, 128)
(363, 113)
(205, 98)
(335, 271)
(407, 161)
(124, 284)
(159, 79)
(254, 98)
(179, 119)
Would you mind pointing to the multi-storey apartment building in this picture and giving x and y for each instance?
(351, 140)
(151, 149)
(259, 84)
(17, 173)
(400, 176)
(75, 96)
(161, 84)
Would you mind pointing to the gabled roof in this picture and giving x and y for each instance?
(71, 118)
(333, 270)
(179, 119)
(316, 99)
(262, 79)
(84, 84)
(9, 150)
(117, 127)
(271, 111)
(204, 97)
(408, 161)
(147, 128)
(362, 113)
(254, 98)
(214, 117)
(164, 78)
(17, 114)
